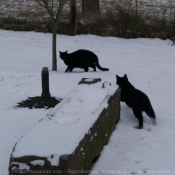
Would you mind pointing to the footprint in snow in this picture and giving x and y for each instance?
(148, 129)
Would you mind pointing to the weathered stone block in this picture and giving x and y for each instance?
(69, 138)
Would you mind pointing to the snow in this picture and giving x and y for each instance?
(149, 65)
(38, 162)
(21, 166)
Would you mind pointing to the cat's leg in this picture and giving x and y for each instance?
(86, 69)
(70, 69)
(122, 97)
(67, 69)
(94, 67)
(138, 115)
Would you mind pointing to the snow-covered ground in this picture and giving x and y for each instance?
(149, 64)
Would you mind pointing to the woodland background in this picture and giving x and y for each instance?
(120, 18)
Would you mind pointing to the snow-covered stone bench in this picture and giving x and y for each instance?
(72, 136)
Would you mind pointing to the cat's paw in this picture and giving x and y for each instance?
(154, 122)
(138, 127)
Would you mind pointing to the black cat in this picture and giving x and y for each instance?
(81, 59)
(135, 99)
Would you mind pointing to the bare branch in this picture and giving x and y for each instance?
(61, 4)
(46, 6)
(49, 8)
(39, 3)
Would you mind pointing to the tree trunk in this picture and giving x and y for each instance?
(136, 26)
(54, 53)
(73, 18)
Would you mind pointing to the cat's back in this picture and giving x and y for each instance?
(82, 52)
(127, 86)
(135, 94)
(129, 91)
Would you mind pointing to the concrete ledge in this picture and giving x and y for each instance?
(87, 150)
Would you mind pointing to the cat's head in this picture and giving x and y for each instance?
(63, 55)
(121, 80)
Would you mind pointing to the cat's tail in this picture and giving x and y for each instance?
(149, 109)
(99, 67)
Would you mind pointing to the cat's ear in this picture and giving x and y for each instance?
(59, 51)
(66, 51)
(125, 76)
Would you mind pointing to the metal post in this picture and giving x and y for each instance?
(45, 83)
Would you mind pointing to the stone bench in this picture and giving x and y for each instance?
(71, 137)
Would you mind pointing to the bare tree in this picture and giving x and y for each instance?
(55, 17)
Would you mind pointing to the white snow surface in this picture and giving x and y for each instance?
(38, 162)
(150, 66)
(59, 132)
